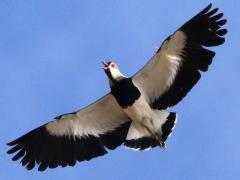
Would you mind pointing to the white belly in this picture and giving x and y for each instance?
(140, 111)
(146, 121)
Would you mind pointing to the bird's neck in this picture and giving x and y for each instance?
(117, 80)
(117, 75)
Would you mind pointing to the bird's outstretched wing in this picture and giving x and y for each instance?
(175, 68)
(73, 137)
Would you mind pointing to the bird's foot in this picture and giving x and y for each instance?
(161, 143)
(158, 138)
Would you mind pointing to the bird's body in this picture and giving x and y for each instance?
(147, 121)
(134, 113)
(141, 113)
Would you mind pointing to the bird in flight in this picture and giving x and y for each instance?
(135, 112)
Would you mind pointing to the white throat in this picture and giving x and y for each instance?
(116, 74)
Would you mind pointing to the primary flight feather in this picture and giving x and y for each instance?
(134, 112)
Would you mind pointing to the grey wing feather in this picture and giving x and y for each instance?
(73, 137)
(175, 68)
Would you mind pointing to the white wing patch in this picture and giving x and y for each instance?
(159, 73)
(103, 116)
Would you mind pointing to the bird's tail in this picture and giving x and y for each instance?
(167, 127)
(142, 138)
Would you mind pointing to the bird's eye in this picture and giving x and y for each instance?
(113, 65)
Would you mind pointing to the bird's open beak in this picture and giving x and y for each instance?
(105, 65)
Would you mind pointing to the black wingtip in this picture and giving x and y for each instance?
(206, 9)
(222, 32)
(30, 165)
(222, 22)
(42, 167)
(209, 6)
(19, 155)
(212, 12)
(12, 143)
(217, 17)
(9, 152)
(14, 149)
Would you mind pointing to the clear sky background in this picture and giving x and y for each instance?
(50, 53)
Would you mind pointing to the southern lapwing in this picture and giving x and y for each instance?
(134, 113)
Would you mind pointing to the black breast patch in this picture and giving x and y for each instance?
(125, 92)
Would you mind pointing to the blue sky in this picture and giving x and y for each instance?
(50, 55)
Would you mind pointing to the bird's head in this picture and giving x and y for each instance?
(112, 71)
